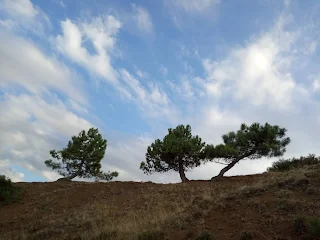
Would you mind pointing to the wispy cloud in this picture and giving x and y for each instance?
(19, 14)
(142, 18)
(195, 6)
(19, 64)
(100, 32)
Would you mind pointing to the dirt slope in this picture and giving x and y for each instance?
(264, 206)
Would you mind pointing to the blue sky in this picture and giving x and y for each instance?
(135, 68)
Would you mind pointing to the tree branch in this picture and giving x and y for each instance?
(215, 161)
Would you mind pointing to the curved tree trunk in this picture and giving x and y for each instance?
(224, 170)
(182, 173)
(72, 176)
(231, 165)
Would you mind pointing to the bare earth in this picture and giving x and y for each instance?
(263, 205)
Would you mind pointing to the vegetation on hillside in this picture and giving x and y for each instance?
(274, 205)
(8, 192)
(82, 157)
(283, 203)
(178, 151)
(249, 142)
(288, 164)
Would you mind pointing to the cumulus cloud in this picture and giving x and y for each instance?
(100, 32)
(259, 72)
(31, 127)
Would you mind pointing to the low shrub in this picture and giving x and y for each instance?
(8, 192)
(309, 228)
(287, 164)
(314, 227)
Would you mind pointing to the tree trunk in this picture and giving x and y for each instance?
(224, 170)
(72, 176)
(182, 173)
(231, 165)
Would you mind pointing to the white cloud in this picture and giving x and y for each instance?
(130, 152)
(9, 172)
(142, 18)
(19, 8)
(141, 74)
(145, 97)
(22, 13)
(100, 32)
(31, 127)
(50, 175)
(259, 71)
(311, 49)
(184, 88)
(18, 66)
(77, 107)
(316, 85)
(195, 6)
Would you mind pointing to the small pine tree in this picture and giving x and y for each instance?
(82, 157)
(178, 151)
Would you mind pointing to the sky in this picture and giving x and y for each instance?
(133, 69)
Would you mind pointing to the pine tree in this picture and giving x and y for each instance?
(178, 151)
(250, 142)
(82, 157)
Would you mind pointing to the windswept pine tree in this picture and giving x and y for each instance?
(82, 157)
(249, 142)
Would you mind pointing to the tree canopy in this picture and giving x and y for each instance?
(178, 151)
(249, 142)
(82, 157)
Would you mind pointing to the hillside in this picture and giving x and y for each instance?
(264, 206)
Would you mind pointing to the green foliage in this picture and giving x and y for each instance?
(178, 151)
(309, 228)
(82, 157)
(249, 142)
(287, 164)
(205, 235)
(8, 192)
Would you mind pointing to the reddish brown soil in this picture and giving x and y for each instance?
(62, 210)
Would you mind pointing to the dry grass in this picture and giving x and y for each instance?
(137, 211)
